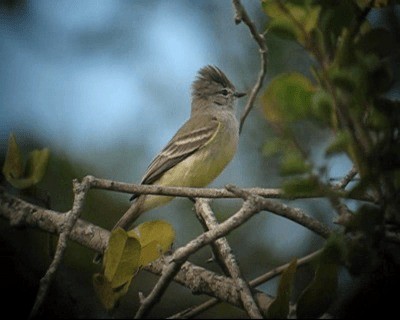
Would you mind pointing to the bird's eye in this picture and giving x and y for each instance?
(224, 92)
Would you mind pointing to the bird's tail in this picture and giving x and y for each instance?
(131, 214)
(128, 218)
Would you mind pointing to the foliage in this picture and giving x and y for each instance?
(23, 176)
(126, 253)
(347, 94)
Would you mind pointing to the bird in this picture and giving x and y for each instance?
(201, 148)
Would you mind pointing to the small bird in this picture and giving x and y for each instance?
(200, 149)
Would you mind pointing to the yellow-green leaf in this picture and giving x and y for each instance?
(108, 295)
(121, 258)
(13, 167)
(37, 164)
(156, 237)
(19, 176)
(279, 308)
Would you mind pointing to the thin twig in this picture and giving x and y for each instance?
(241, 15)
(295, 214)
(346, 179)
(207, 216)
(80, 191)
(221, 193)
(196, 310)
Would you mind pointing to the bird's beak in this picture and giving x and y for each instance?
(239, 94)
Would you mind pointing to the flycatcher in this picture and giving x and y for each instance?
(201, 148)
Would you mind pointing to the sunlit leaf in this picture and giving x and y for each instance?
(19, 176)
(121, 258)
(37, 165)
(13, 167)
(279, 308)
(156, 237)
(318, 296)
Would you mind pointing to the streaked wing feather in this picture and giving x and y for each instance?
(179, 149)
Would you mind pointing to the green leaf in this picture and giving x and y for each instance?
(322, 108)
(319, 294)
(274, 146)
(156, 237)
(279, 308)
(294, 163)
(341, 143)
(13, 167)
(287, 98)
(291, 19)
(344, 79)
(108, 295)
(301, 187)
(121, 258)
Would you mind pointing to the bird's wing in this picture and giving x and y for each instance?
(189, 138)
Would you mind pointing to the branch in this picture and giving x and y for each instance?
(80, 191)
(221, 193)
(249, 208)
(207, 216)
(197, 279)
(294, 214)
(196, 310)
(241, 15)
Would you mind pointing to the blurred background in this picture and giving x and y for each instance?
(105, 85)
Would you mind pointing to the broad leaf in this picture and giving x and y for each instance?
(108, 295)
(13, 167)
(19, 176)
(121, 258)
(288, 99)
(156, 237)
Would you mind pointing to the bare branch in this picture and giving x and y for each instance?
(197, 279)
(346, 179)
(294, 214)
(222, 193)
(195, 310)
(205, 213)
(249, 208)
(80, 191)
(241, 15)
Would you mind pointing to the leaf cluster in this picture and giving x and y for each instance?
(346, 94)
(126, 253)
(23, 175)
